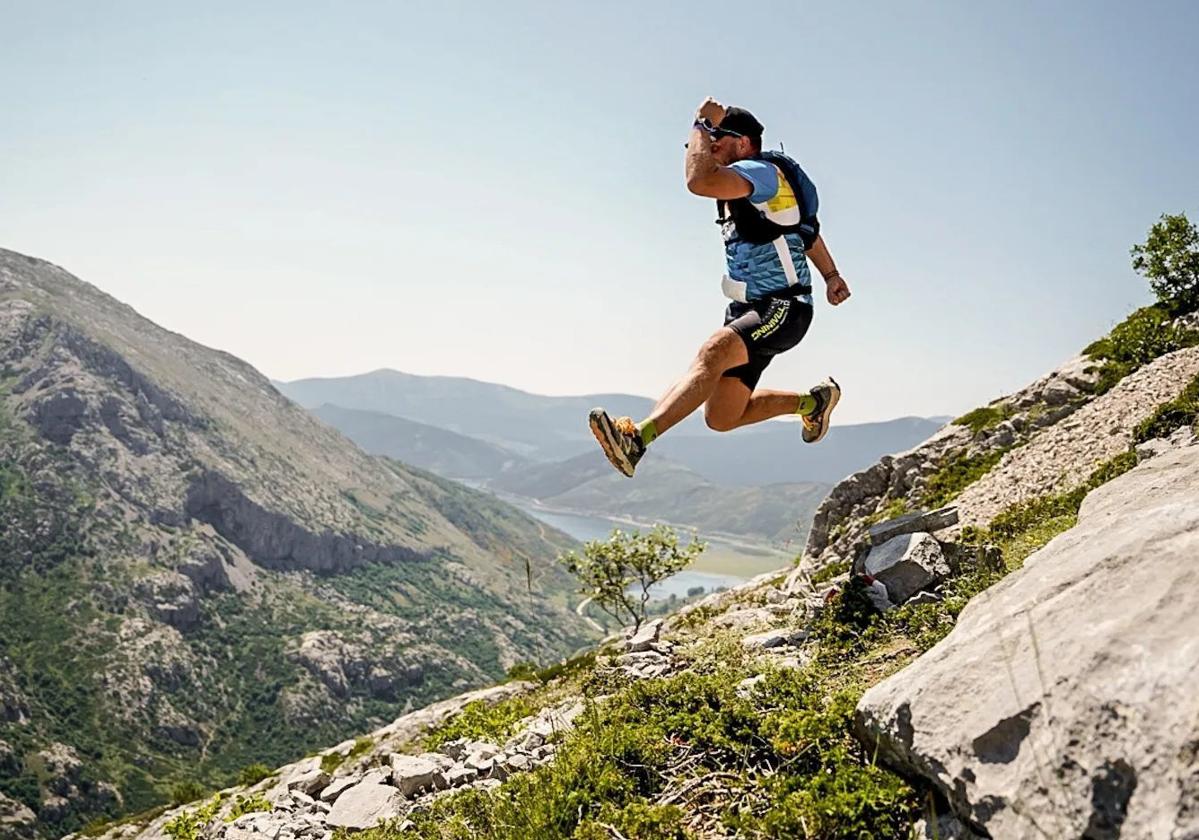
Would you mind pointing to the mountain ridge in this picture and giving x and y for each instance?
(233, 566)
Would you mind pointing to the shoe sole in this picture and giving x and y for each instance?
(828, 409)
(601, 427)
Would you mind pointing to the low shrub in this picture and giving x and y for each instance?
(482, 721)
(955, 475)
(1140, 338)
(986, 417)
(188, 825)
(185, 792)
(253, 774)
(247, 804)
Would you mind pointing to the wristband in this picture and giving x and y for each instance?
(832, 276)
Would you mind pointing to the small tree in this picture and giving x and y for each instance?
(618, 574)
(1169, 260)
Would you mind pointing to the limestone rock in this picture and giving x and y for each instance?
(773, 639)
(414, 773)
(906, 564)
(644, 665)
(645, 638)
(16, 820)
(336, 788)
(310, 783)
(366, 805)
(461, 776)
(1083, 713)
(912, 523)
(743, 618)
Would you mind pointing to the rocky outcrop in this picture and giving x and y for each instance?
(1055, 434)
(381, 668)
(382, 783)
(1083, 714)
(14, 706)
(276, 541)
(16, 821)
(1060, 458)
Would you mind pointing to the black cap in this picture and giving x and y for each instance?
(741, 121)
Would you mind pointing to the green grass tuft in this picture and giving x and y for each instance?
(1181, 411)
(955, 475)
(986, 417)
(1140, 338)
(482, 721)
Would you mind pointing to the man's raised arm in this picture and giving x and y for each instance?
(704, 175)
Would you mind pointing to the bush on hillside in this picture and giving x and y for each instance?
(1169, 260)
(1140, 338)
(619, 573)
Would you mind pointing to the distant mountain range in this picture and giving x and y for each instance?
(542, 428)
(537, 427)
(439, 450)
(760, 483)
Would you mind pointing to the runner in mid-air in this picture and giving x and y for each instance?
(766, 207)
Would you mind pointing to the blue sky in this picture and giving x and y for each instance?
(495, 190)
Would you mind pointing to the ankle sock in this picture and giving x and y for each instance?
(807, 404)
(648, 430)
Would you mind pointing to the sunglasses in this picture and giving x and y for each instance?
(716, 132)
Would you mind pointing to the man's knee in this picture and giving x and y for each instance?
(720, 421)
(723, 415)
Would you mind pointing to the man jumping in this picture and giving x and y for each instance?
(767, 211)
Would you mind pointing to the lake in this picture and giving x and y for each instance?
(724, 563)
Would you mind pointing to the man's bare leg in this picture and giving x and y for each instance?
(724, 350)
(732, 405)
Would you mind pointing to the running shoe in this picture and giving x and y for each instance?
(619, 439)
(815, 425)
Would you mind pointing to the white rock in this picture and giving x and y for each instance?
(645, 638)
(460, 776)
(906, 564)
(414, 773)
(774, 638)
(746, 686)
(518, 763)
(365, 805)
(337, 787)
(1059, 703)
(440, 761)
(311, 782)
(378, 776)
(482, 749)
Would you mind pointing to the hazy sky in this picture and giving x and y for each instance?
(495, 190)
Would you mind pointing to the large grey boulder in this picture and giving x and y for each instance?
(414, 773)
(366, 805)
(1065, 703)
(906, 564)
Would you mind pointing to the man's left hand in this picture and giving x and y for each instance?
(838, 292)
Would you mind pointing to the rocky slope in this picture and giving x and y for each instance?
(196, 574)
(1084, 720)
(1020, 664)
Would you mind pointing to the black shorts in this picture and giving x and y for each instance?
(768, 326)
